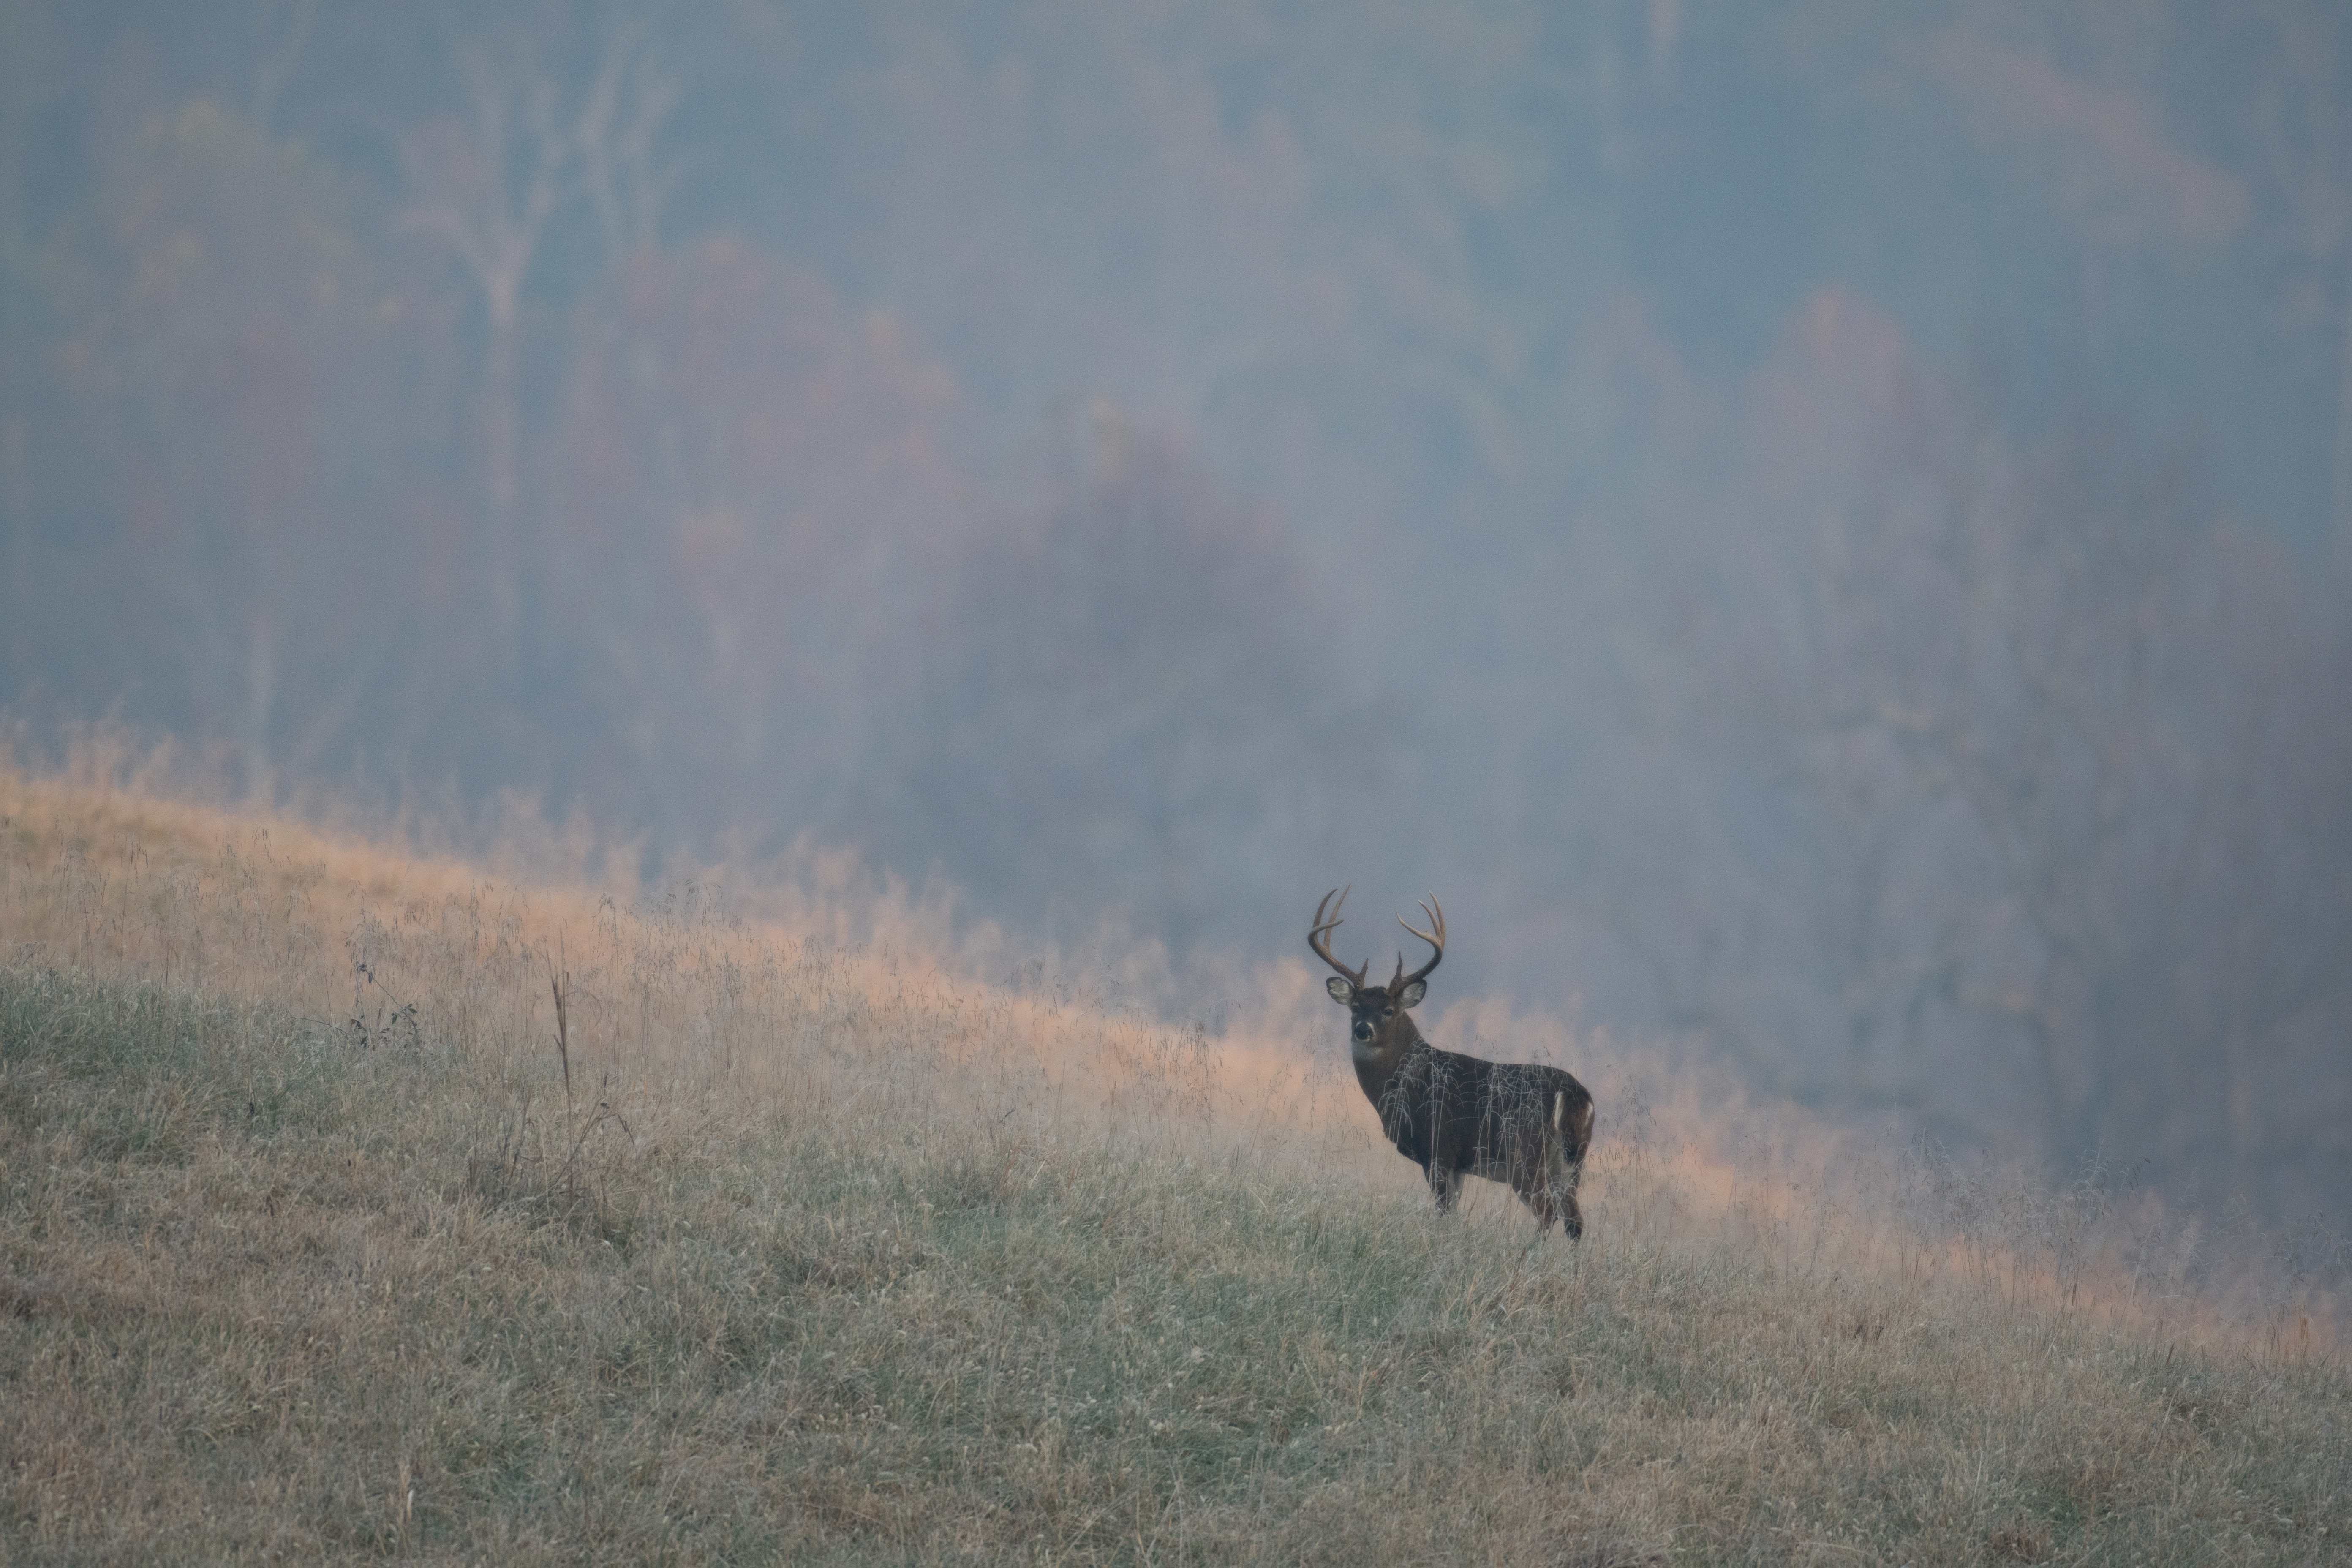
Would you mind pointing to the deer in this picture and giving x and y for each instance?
(1516, 1123)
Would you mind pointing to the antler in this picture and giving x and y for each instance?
(1316, 939)
(1434, 936)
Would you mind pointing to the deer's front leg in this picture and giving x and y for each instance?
(1444, 1185)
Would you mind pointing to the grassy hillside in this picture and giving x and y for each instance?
(308, 1251)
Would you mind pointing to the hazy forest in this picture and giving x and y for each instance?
(1823, 532)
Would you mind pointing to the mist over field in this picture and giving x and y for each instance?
(1821, 531)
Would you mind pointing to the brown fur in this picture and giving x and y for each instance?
(1523, 1125)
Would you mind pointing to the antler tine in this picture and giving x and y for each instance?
(1316, 937)
(1434, 936)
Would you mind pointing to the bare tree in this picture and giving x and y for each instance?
(2303, 136)
(489, 182)
(486, 183)
(617, 131)
(283, 28)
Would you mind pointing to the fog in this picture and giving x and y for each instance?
(1820, 532)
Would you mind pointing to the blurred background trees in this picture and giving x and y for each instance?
(1971, 727)
(1138, 679)
(750, 491)
(1818, 529)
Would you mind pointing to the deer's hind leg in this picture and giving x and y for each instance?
(1571, 1217)
(1564, 1175)
(1529, 1174)
(1543, 1200)
(1547, 1185)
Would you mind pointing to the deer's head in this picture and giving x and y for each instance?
(1376, 1014)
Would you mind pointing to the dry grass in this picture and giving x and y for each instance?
(305, 1252)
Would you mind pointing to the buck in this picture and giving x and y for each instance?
(1508, 1121)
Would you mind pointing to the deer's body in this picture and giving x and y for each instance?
(1515, 1122)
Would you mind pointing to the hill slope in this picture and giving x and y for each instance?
(308, 1249)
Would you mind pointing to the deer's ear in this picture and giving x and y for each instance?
(1341, 992)
(1414, 993)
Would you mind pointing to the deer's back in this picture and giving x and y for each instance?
(1445, 1106)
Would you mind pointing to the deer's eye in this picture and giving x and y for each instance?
(1386, 1014)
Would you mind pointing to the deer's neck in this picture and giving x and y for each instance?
(1379, 1060)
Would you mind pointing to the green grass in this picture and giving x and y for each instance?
(265, 1294)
